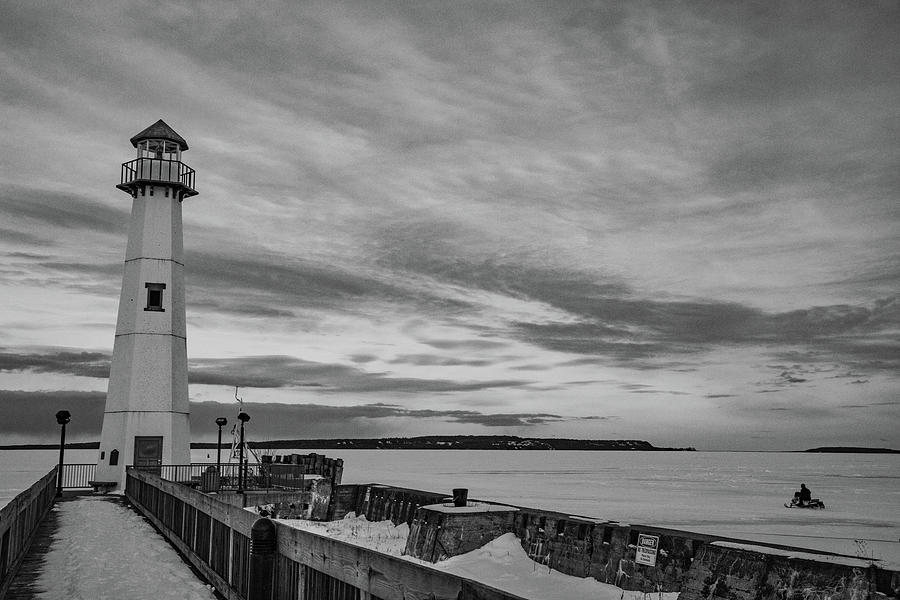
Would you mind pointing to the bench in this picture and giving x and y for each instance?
(103, 487)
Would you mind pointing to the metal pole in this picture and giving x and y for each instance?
(221, 422)
(59, 473)
(219, 451)
(241, 462)
(62, 417)
(242, 474)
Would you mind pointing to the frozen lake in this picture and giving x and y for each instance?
(739, 494)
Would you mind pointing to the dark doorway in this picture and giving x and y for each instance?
(148, 453)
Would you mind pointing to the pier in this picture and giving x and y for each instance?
(98, 547)
(239, 543)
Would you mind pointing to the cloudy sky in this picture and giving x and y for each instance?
(670, 221)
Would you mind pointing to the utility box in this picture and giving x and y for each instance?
(209, 480)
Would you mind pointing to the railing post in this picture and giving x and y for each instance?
(262, 559)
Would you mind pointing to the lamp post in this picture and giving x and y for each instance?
(243, 418)
(221, 422)
(62, 417)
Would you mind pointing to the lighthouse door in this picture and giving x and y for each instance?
(148, 452)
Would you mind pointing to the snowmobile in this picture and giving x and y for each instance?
(812, 503)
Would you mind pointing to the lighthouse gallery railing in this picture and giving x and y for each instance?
(157, 169)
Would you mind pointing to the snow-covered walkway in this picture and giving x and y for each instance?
(98, 549)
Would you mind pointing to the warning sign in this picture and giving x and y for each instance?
(647, 547)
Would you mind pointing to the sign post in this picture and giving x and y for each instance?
(647, 548)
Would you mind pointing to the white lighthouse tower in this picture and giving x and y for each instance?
(146, 420)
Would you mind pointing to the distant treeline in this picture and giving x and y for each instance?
(853, 450)
(72, 446)
(431, 442)
(455, 442)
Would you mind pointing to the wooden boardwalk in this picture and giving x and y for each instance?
(98, 548)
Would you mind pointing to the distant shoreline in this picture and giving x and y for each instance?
(473, 442)
(463, 442)
(852, 450)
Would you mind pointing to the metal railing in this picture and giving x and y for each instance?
(157, 169)
(256, 476)
(77, 476)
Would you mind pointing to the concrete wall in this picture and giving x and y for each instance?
(330, 468)
(742, 574)
(605, 550)
(380, 502)
(573, 545)
(439, 533)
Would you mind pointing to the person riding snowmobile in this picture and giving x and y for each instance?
(804, 495)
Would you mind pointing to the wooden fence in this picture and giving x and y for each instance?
(215, 537)
(19, 520)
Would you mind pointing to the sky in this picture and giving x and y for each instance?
(667, 221)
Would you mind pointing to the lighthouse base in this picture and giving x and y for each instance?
(145, 439)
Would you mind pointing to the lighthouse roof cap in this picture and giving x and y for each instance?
(159, 131)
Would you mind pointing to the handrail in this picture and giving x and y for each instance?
(255, 475)
(215, 537)
(157, 169)
(19, 520)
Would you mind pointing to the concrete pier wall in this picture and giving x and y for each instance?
(579, 546)
(380, 502)
(329, 468)
(735, 573)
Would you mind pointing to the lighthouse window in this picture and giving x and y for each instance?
(160, 149)
(155, 296)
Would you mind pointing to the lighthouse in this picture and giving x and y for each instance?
(146, 419)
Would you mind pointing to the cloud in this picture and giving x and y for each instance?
(268, 420)
(464, 190)
(80, 364)
(44, 208)
(257, 372)
(38, 423)
(430, 360)
(286, 371)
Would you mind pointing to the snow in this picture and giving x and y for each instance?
(501, 564)
(504, 565)
(382, 536)
(470, 507)
(103, 550)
